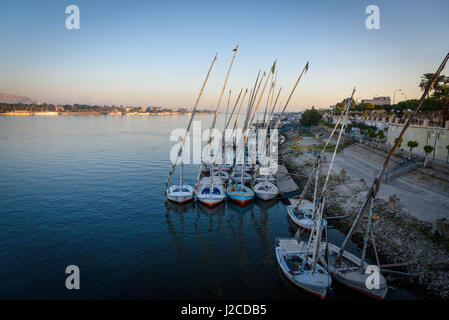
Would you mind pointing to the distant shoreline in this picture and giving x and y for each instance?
(117, 113)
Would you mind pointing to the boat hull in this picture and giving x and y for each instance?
(211, 201)
(240, 194)
(315, 283)
(266, 190)
(303, 222)
(180, 193)
(353, 279)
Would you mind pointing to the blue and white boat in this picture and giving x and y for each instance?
(240, 193)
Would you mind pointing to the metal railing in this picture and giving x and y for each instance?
(402, 167)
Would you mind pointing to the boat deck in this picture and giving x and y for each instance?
(291, 245)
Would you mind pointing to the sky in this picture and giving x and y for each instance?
(157, 53)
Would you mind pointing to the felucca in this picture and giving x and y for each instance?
(181, 193)
(299, 261)
(211, 189)
(266, 188)
(239, 192)
(302, 213)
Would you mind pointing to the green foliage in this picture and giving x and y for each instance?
(396, 140)
(442, 92)
(412, 144)
(428, 149)
(348, 127)
(381, 134)
(427, 78)
(310, 117)
(372, 132)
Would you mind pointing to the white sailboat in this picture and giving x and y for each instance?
(220, 173)
(211, 190)
(345, 267)
(302, 215)
(348, 272)
(266, 188)
(299, 261)
(291, 255)
(181, 192)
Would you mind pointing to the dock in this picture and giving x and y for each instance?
(287, 186)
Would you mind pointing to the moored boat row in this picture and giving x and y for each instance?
(311, 265)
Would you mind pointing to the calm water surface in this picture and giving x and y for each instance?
(89, 191)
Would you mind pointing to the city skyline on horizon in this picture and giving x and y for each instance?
(153, 54)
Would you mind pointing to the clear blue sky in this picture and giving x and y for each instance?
(158, 52)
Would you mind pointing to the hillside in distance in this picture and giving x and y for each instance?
(13, 98)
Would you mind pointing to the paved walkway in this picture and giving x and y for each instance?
(420, 194)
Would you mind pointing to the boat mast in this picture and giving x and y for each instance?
(309, 180)
(190, 123)
(304, 70)
(260, 97)
(248, 125)
(227, 107)
(316, 232)
(227, 124)
(246, 119)
(233, 109)
(238, 113)
(211, 137)
(378, 180)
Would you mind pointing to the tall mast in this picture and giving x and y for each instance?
(227, 107)
(190, 123)
(218, 106)
(238, 113)
(233, 109)
(273, 67)
(315, 234)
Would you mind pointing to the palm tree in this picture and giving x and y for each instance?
(427, 149)
(426, 78)
(442, 92)
(411, 145)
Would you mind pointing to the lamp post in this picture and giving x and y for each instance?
(394, 95)
(436, 142)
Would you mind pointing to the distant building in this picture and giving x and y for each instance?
(377, 100)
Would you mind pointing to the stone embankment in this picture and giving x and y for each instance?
(399, 236)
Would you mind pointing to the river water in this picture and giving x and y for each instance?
(89, 191)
